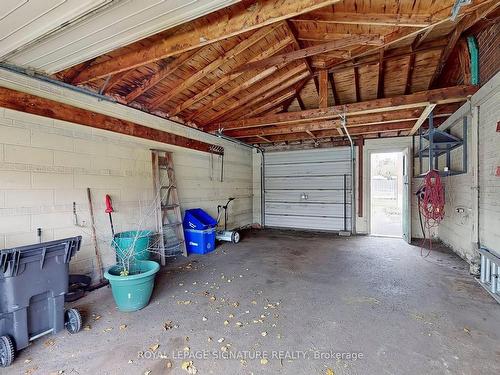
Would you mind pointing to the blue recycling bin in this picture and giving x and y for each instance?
(199, 231)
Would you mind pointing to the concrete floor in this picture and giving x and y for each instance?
(375, 296)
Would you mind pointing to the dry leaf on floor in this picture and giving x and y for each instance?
(168, 363)
(123, 326)
(87, 328)
(467, 330)
(231, 316)
(107, 329)
(226, 322)
(189, 367)
(48, 343)
(264, 334)
(154, 347)
(220, 340)
(264, 361)
(239, 324)
(187, 348)
(147, 372)
(204, 318)
(254, 302)
(329, 371)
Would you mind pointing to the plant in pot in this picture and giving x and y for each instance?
(132, 277)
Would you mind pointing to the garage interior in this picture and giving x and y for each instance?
(346, 153)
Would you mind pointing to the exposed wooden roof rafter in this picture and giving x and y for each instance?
(228, 78)
(234, 20)
(217, 63)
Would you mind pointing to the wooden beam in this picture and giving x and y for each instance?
(420, 99)
(323, 88)
(468, 20)
(225, 23)
(275, 48)
(362, 18)
(327, 37)
(332, 133)
(311, 51)
(217, 63)
(39, 106)
(425, 113)
(282, 81)
(360, 143)
(464, 58)
(157, 77)
(407, 115)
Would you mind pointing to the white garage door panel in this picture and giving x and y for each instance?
(304, 209)
(308, 169)
(315, 196)
(317, 223)
(305, 189)
(308, 156)
(302, 183)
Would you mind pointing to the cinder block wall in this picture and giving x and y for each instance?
(46, 165)
(458, 229)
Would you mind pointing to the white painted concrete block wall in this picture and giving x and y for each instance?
(458, 229)
(46, 165)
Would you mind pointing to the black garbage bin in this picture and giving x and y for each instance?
(33, 282)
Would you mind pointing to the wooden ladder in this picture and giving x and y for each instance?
(171, 240)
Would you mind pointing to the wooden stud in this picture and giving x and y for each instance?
(225, 23)
(323, 88)
(36, 105)
(360, 143)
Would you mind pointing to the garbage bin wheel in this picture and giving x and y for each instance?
(7, 351)
(73, 320)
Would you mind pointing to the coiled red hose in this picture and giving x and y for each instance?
(431, 203)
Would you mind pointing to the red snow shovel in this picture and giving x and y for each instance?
(109, 210)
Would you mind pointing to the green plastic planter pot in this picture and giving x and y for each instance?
(135, 241)
(132, 292)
